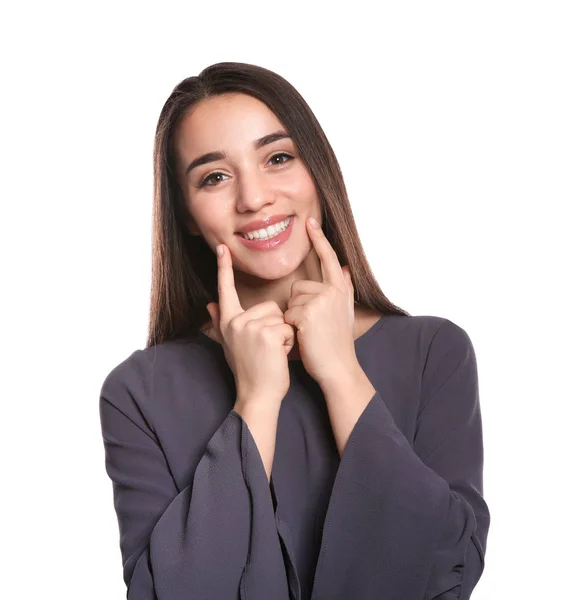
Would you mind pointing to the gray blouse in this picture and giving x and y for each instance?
(400, 516)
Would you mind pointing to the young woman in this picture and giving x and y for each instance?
(288, 432)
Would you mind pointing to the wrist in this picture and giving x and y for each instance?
(345, 381)
(256, 405)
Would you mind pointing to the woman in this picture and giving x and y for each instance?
(287, 432)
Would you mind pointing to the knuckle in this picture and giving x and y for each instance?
(265, 334)
(236, 324)
(273, 306)
(253, 325)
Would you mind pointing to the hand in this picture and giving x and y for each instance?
(256, 342)
(323, 313)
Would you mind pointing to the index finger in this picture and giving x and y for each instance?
(330, 265)
(229, 303)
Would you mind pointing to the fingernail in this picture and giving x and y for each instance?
(220, 250)
(314, 222)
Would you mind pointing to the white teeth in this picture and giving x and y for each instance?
(270, 232)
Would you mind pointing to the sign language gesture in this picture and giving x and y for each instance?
(256, 341)
(323, 314)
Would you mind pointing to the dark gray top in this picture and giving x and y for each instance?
(400, 516)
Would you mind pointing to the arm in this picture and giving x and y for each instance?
(262, 421)
(214, 538)
(410, 522)
(346, 400)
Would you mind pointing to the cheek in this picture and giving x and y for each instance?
(301, 188)
(212, 219)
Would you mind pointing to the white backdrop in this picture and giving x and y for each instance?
(446, 118)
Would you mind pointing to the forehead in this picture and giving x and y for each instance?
(227, 122)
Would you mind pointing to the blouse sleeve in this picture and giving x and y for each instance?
(410, 522)
(215, 538)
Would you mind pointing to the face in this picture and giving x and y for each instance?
(249, 183)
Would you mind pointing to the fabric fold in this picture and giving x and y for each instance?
(284, 533)
(407, 525)
(216, 538)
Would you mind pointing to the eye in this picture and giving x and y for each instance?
(210, 177)
(281, 154)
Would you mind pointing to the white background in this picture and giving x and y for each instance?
(446, 118)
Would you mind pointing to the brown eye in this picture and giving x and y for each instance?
(209, 178)
(279, 154)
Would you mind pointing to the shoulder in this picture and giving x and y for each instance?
(445, 336)
(434, 343)
(132, 383)
(440, 351)
(449, 356)
(428, 329)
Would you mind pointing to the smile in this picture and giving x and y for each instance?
(269, 232)
(268, 238)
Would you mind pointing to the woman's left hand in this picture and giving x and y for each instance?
(323, 314)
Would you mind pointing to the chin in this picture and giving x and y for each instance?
(273, 273)
(271, 270)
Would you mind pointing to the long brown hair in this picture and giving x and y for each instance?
(184, 268)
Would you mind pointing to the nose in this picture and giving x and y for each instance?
(253, 192)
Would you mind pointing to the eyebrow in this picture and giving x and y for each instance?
(220, 155)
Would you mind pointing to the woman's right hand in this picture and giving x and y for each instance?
(256, 341)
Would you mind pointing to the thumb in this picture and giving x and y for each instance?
(213, 310)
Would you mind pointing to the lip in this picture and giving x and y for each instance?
(262, 223)
(270, 244)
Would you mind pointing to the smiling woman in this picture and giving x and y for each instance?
(217, 141)
(286, 432)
